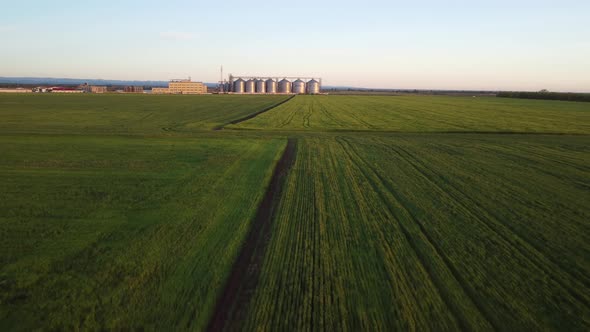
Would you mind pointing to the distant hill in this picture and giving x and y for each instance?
(78, 81)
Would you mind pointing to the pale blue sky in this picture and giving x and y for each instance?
(519, 45)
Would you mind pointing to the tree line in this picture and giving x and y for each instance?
(544, 94)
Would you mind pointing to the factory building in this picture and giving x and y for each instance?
(14, 90)
(182, 87)
(98, 89)
(271, 85)
(186, 87)
(160, 91)
(65, 90)
(133, 89)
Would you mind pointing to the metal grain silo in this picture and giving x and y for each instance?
(260, 86)
(313, 87)
(239, 85)
(284, 86)
(271, 86)
(250, 86)
(299, 87)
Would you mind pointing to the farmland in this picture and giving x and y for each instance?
(424, 114)
(392, 213)
(123, 232)
(441, 232)
(124, 114)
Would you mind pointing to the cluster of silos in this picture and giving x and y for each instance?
(272, 86)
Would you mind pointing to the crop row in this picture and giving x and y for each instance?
(115, 233)
(436, 232)
(124, 114)
(424, 114)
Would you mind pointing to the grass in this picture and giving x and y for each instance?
(124, 114)
(115, 232)
(430, 232)
(424, 114)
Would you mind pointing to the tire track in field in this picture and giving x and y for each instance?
(527, 250)
(457, 313)
(145, 117)
(307, 115)
(324, 113)
(244, 275)
(253, 115)
(288, 119)
(511, 153)
(491, 216)
(439, 288)
(514, 155)
(554, 156)
(364, 237)
(361, 120)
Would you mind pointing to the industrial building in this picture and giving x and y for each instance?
(14, 90)
(160, 91)
(66, 90)
(98, 89)
(184, 87)
(133, 89)
(271, 85)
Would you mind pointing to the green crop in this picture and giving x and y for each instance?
(124, 114)
(398, 213)
(424, 114)
(113, 232)
(430, 232)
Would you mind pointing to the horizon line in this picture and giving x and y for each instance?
(332, 86)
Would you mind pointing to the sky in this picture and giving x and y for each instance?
(478, 45)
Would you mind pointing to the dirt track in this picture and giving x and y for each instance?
(232, 305)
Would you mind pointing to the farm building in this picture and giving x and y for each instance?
(271, 85)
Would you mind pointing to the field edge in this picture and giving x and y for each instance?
(245, 271)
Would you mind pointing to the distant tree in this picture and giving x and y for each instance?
(544, 94)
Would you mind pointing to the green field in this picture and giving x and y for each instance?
(398, 213)
(124, 114)
(424, 114)
(117, 232)
(441, 232)
(122, 231)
